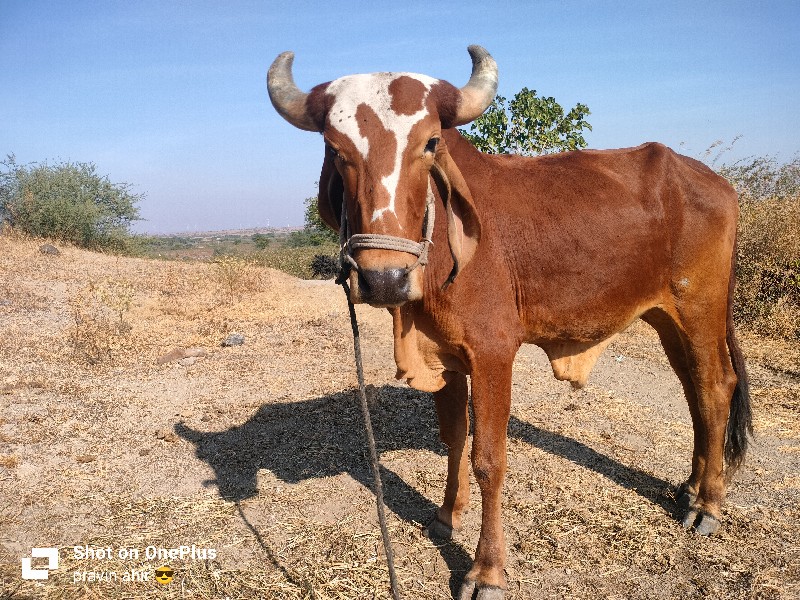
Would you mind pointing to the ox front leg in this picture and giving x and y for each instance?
(491, 403)
(453, 413)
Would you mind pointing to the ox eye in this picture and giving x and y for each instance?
(431, 145)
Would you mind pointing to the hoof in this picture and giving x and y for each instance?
(689, 518)
(703, 523)
(436, 530)
(467, 588)
(708, 525)
(490, 592)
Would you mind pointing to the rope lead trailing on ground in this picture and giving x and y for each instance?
(376, 473)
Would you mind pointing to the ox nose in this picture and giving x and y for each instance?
(384, 287)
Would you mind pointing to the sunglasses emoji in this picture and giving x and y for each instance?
(164, 575)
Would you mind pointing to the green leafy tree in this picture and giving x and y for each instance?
(68, 202)
(315, 227)
(261, 240)
(528, 125)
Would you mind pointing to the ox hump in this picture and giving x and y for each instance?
(377, 112)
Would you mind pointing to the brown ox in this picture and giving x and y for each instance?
(562, 251)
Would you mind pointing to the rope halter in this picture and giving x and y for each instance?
(378, 241)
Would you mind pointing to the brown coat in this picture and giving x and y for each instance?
(563, 251)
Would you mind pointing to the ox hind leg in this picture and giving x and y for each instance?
(698, 352)
(453, 414)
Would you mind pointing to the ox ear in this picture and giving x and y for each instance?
(463, 224)
(331, 190)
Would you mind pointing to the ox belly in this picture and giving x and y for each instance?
(425, 365)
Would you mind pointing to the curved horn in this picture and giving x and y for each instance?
(481, 88)
(286, 97)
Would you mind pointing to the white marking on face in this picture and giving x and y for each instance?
(373, 90)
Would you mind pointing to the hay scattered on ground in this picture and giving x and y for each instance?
(257, 450)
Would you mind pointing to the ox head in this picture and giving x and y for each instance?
(383, 145)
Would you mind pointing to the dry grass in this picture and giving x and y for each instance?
(295, 261)
(257, 451)
(99, 314)
(8, 461)
(237, 277)
(768, 267)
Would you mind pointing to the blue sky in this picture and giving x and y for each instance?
(171, 96)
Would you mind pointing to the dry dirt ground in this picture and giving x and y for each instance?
(257, 451)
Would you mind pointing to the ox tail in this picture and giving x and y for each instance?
(740, 419)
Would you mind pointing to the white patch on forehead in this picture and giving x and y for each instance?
(373, 90)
